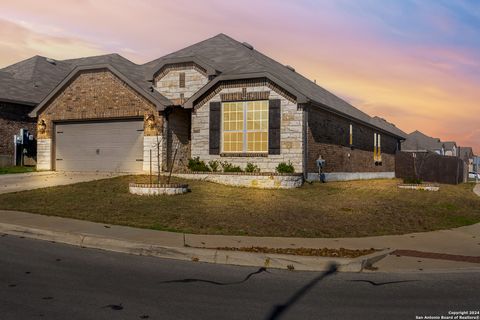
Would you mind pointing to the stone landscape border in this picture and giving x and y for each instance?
(427, 187)
(261, 180)
(147, 189)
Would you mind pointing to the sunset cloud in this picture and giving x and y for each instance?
(415, 63)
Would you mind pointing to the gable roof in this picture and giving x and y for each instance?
(235, 59)
(418, 141)
(449, 145)
(465, 153)
(123, 68)
(219, 55)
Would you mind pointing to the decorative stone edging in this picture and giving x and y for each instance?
(251, 180)
(428, 187)
(243, 173)
(157, 189)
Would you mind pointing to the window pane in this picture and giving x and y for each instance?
(257, 126)
(251, 123)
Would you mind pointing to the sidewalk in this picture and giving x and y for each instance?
(461, 244)
(34, 180)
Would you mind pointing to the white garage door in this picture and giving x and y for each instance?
(115, 146)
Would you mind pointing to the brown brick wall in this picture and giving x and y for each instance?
(96, 95)
(337, 159)
(328, 136)
(13, 117)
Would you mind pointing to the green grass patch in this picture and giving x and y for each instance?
(8, 170)
(336, 209)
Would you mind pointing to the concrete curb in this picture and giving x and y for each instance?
(277, 261)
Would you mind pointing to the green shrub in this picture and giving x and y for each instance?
(197, 165)
(284, 167)
(412, 181)
(214, 165)
(228, 167)
(252, 167)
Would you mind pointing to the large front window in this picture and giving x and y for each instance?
(245, 127)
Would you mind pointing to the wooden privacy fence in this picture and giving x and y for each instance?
(430, 167)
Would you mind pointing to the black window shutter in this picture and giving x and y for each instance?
(274, 120)
(214, 137)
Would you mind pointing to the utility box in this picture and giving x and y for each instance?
(320, 163)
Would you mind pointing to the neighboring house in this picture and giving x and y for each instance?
(466, 154)
(451, 148)
(420, 142)
(476, 164)
(219, 99)
(22, 86)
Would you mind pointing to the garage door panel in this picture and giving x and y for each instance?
(100, 146)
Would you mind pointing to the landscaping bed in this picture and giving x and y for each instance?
(311, 252)
(336, 209)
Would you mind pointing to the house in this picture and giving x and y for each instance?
(451, 148)
(218, 99)
(23, 86)
(466, 154)
(476, 164)
(419, 142)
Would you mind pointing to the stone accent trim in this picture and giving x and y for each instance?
(246, 84)
(178, 67)
(251, 155)
(44, 154)
(150, 143)
(244, 96)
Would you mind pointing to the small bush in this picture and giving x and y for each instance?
(228, 167)
(412, 181)
(251, 168)
(214, 165)
(284, 167)
(197, 165)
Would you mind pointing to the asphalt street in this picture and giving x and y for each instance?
(44, 280)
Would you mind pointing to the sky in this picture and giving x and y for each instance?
(414, 63)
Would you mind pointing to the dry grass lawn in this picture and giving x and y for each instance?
(338, 209)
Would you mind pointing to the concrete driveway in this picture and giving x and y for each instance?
(35, 180)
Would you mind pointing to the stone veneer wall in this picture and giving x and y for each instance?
(44, 154)
(167, 82)
(97, 94)
(291, 132)
(328, 136)
(152, 143)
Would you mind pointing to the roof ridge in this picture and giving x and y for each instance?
(185, 48)
(95, 56)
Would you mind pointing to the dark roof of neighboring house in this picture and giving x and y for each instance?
(219, 55)
(29, 81)
(465, 153)
(418, 141)
(449, 145)
(234, 59)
